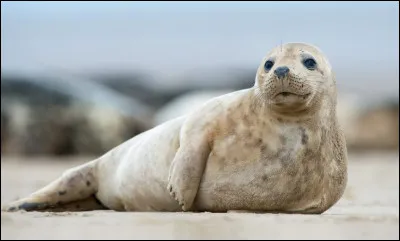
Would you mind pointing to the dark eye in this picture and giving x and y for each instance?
(268, 65)
(310, 63)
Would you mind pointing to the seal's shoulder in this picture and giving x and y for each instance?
(213, 109)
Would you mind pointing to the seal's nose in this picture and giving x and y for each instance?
(281, 72)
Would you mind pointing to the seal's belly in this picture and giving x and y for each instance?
(273, 173)
(135, 175)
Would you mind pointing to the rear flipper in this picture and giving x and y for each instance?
(76, 187)
(89, 204)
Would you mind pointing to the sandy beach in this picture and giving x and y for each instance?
(369, 209)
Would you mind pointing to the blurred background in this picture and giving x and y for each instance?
(79, 78)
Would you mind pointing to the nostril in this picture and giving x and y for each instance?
(281, 71)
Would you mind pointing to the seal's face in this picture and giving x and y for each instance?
(294, 75)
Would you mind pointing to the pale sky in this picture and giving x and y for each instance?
(361, 39)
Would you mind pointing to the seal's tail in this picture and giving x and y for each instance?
(74, 191)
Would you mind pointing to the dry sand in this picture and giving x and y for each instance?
(369, 209)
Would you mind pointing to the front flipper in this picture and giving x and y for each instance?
(186, 172)
(196, 140)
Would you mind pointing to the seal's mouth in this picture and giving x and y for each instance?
(287, 94)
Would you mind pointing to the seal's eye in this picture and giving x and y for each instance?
(310, 63)
(268, 65)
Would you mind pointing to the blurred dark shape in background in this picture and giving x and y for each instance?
(377, 128)
(60, 116)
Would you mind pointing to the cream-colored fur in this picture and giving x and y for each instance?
(254, 150)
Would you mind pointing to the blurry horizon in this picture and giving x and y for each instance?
(166, 39)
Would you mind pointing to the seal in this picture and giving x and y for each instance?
(274, 147)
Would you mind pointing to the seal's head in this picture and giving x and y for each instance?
(295, 76)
